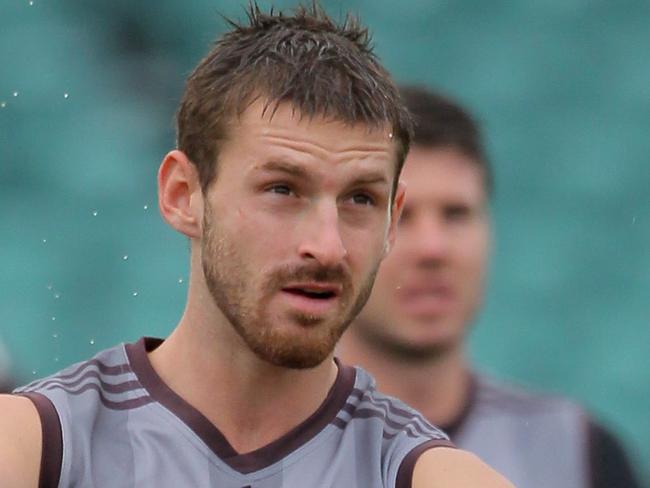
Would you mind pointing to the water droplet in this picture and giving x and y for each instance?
(146, 207)
(3, 104)
(92, 342)
(125, 257)
(95, 212)
(135, 293)
(53, 319)
(65, 95)
(15, 94)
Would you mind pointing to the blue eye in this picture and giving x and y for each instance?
(363, 199)
(280, 189)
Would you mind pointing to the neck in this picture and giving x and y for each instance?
(437, 386)
(210, 367)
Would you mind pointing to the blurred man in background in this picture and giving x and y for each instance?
(412, 333)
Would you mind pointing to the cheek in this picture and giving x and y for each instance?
(389, 276)
(256, 235)
(473, 261)
(367, 240)
(363, 254)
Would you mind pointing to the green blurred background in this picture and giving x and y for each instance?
(562, 87)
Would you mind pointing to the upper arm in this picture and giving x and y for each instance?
(453, 468)
(20, 442)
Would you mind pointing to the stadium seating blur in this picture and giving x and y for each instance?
(87, 97)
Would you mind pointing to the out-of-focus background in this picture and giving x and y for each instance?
(562, 87)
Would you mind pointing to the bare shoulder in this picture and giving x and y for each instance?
(444, 467)
(20, 447)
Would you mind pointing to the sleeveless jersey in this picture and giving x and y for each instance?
(112, 422)
(534, 440)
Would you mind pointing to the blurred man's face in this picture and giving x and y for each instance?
(294, 228)
(431, 284)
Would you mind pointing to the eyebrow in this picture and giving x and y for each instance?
(284, 167)
(371, 178)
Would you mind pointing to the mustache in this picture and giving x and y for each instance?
(316, 273)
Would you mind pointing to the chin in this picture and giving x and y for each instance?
(295, 349)
(417, 348)
(294, 359)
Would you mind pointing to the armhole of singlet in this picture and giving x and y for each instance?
(405, 471)
(52, 446)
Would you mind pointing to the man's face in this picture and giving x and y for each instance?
(430, 286)
(294, 228)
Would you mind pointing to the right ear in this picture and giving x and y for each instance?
(180, 198)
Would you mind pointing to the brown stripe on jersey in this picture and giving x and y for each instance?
(366, 413)
(52, 444)
(382, 404)
(108, 387)
(395, 410)
(213, 438)
(405, 472)
(308, 429)
(103, 368)
(356, 394)
(340, 423)
(110, 404)
(393, 416)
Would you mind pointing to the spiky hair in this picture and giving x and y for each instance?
(321, 67)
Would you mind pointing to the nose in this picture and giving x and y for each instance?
(320, 236)
(428, 240)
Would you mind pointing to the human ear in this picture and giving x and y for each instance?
(180, 198)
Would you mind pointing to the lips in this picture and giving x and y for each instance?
(310, 293)
(426, 299)
(312, 298)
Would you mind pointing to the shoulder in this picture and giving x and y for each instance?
(399, 433)
(20, 451)
(499, 398)
(394, 417)
(450, 468)
(107, 373)
(68, 404)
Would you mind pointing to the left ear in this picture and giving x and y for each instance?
(395, 214)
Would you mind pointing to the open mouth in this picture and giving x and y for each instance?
(309, 293)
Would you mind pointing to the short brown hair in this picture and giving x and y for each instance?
(305, 58)
(441, 122)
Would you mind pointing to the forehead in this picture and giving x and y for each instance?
(283, 126)
(442, 173)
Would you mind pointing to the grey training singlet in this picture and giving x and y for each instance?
(112, 422)
(536, 441)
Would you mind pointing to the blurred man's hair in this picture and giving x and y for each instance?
(442, 123)
(303, 57)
